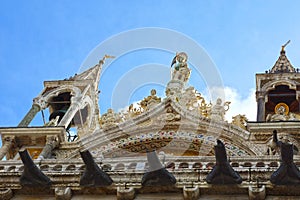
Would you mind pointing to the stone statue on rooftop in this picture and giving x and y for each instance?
(179, 61)
(150, 101)
(110, 118)
(218, 110)
(181, 70)
(180, 74)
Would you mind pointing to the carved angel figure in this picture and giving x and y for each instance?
(218, 110)
(179, 61)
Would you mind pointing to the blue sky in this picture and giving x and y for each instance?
(49, 40)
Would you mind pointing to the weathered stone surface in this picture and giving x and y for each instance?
(192, 193)
(257, 193)
(6, 194)
(63, 193)
(125, 194)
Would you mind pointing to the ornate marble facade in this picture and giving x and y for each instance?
(156, 148)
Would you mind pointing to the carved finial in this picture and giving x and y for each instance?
(283, 46)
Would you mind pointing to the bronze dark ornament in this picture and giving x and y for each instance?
(287, 173)
(93, 176)
(222, 172)
(32, 175)
(157, 174)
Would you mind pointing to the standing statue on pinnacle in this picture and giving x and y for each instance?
(180, 74)
(179, 61)
(181, 70)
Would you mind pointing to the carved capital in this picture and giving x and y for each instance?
(6, 194)
(191, 193)
(258, 193)
(41, 102)
(9, 139)
(52, 140)
(63, 193)
(125, 194)
(7, 144)
(260, 94)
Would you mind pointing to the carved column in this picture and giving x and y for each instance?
(51, 143)
(74, 107)
(30, 115)
(260, 98)
(39, 103)
(7, 144)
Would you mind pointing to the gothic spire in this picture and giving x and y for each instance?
(282, 64)
(93, 73)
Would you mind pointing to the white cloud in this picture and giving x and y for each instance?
(239, 105)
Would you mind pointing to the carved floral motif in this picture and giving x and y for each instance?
(169, 116)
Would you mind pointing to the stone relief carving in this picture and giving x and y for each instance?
(41, 102)
(6, 146)
(240, 121)
(110, 118)
(192, 100)
(274, 144)
(169, 116)
(138, 108)
(281, 113)
(148, 102)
